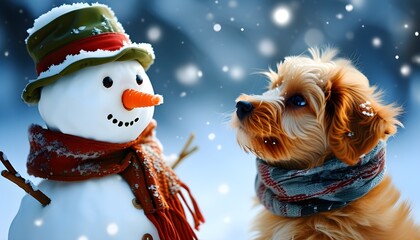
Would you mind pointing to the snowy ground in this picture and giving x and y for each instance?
(206, 54)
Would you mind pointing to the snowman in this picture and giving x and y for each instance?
(98, 155)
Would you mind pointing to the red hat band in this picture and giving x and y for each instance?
(105, 41)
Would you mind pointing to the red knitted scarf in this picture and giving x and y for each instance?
(57, 156)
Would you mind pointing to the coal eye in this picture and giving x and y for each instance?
(139, 80)
(107, 82)
(297, 101)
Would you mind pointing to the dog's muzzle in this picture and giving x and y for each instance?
(243, 109)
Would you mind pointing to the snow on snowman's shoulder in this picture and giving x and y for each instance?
(56, 69)
(54, 13)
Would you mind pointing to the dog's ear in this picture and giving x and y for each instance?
(356, 120)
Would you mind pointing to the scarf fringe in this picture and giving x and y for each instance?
(195, 212)
(163, 224)
(172, 223)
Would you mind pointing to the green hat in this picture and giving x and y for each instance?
(71, 37)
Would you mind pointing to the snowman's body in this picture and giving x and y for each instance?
(85, 104)
(87, 210)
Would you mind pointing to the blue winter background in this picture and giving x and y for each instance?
(206, 55)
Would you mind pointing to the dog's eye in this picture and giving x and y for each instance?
(297, 101)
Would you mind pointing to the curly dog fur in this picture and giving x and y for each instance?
(318, 107)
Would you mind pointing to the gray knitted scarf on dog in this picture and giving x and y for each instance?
(295, 193)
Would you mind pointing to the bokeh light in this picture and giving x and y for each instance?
(154, 34)
(188, 74)
(267, 47)
(376, 42)
(281, 16)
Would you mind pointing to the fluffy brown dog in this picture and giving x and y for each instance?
(319, 135)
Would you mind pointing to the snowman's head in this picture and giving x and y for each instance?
(92, 102)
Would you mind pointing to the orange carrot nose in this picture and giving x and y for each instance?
(134, 99)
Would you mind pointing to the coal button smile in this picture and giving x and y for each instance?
(111, 118)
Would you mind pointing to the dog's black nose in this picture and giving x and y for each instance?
(243, 109)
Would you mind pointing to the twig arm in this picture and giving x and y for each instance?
(26, 185)
(185, 152)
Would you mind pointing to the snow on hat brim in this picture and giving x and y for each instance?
(78, 36)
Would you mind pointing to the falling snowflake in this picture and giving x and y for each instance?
(339, 16)
(6, 53)
(225, 68)
(211, 136)
(182, 94)
(219, 147)
(112, 229)
(223, 189)
(397, 57)
(217, 27)
(83, 237)
(38, 222)
(416, 34)
(349, 7)
(227, 220)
